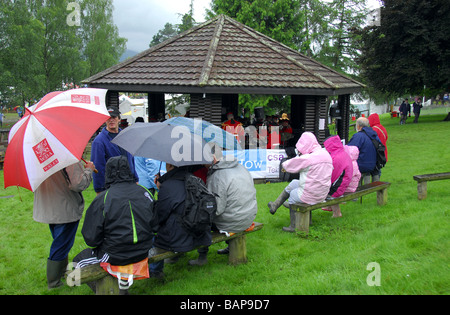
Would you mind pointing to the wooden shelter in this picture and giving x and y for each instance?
(222, 58)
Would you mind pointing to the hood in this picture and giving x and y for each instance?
(353, 151)
(178, 173)
(374, 119)
(225, 162)
(307, 143)
(117, 170)
(333, 144)
(371, 133)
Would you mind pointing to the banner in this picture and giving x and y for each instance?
(260, 163)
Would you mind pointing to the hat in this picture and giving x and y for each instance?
(113, 112)
(284, 117)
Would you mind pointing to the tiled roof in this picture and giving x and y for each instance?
(223, 55)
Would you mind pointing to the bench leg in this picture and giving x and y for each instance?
(382, 197)
(107, 286)
(238, 250)
(421, 190)
(302, 221)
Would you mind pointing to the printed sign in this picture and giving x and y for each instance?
(43, 151)
(83, 99)
(260, 163)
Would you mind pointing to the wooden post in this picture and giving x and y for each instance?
(421, 190)
(107, 286)
(382, 197)
(302, 220)
(238, 251)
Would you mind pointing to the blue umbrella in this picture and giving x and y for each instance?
(208, 131)
(172, 144)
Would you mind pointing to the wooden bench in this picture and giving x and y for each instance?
(303, 210)
(422, 182)
(107, 284)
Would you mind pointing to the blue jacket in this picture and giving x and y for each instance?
(102, 149)
(367, 154)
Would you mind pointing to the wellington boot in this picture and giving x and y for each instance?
(291, 227)
(55, 271)
(274, 205)
(200, 261)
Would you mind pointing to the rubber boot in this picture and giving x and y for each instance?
(55, 271)
(291, 227)
(200, 261)
(274, 205)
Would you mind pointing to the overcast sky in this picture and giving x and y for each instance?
(140, 20)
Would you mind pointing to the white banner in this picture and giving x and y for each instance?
(260, 163)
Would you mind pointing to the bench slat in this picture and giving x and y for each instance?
(94, 272)
(361, 191)
(431, 177)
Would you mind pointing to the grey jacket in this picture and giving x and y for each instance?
(235, 195)
(58, 199)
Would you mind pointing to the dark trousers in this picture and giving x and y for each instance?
(63, 239)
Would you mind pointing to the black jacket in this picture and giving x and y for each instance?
(169, 208)
(119, 221)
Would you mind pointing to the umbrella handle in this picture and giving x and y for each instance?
(95, 170)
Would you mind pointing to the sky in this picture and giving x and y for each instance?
(140, 20)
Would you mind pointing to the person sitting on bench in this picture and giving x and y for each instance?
(315, 167)
(119, 224)
(342, 171)
(235, 194)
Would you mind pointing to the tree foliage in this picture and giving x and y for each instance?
(410, 49)
(40, 51)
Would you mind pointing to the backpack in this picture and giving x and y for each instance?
(380, 151)
(199, 208)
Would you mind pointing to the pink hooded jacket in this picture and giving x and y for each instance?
(341, 162)
(315, 167)
(354, 154)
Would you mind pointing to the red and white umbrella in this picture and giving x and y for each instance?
(52, 135)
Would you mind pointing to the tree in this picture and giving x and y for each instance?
(40, 50)
(410, 49)
(340, 46)
(281, 20)
(101, 41)
(170, 30)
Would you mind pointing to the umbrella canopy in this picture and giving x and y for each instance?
(52, 135)
(208, 131)
(164, 142)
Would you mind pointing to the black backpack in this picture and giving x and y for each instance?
(381, 152)
(200, 207)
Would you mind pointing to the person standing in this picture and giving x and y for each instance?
(416, 109)
(59, 202)
(102, 150)
(375, 124)
(404, 109)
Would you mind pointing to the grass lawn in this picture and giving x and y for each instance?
(407, 238)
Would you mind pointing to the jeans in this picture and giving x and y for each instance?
(63, 239)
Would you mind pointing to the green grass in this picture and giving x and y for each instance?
(408, 238)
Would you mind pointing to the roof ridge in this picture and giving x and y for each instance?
(251, 32)
(147, 51)
(209, 60)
